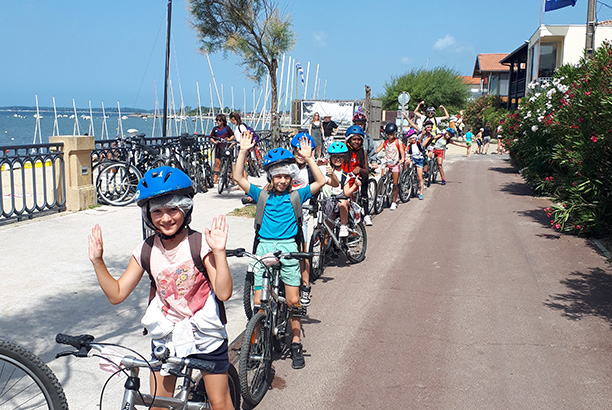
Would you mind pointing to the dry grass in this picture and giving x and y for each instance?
(244, 212)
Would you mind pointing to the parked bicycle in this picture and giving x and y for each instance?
(192, 394)
(268, 328)
(227, 161)
(326, 241)
(26, 382)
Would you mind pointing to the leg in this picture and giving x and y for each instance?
(395, 176)
(421, 182)
(217, 168)
(440, 159)
(165, 386)
(217, 389)
(343, 208)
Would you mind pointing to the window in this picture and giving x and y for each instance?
(548, 59)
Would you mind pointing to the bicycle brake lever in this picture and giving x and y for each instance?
(66, 353)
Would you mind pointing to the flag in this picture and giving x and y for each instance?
(558, 4)
(301, 70)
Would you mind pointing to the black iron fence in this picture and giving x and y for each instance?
(32, 181)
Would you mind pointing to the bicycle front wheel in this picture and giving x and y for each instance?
(117, 184)
(255, 359)
(405, 186)
(372, 187)
(317, 248)
(380, 194)
(26, 382)
(223, 182)
(356, 244)
(248, 294)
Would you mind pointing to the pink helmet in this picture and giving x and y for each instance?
(359, 117)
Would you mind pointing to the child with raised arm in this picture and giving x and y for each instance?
(279, 227)
(184, 313)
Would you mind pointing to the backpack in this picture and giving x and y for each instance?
(255, 135)
(259, 212)
(195, 245)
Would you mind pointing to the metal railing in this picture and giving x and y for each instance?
(32, 181)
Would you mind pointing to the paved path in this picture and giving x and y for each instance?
(467, 300)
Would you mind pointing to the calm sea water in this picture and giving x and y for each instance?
(17, 126)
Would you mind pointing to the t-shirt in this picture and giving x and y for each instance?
(279, 218)
(392, 154)
(440, 143)
(414, 151)
(221, 133)
(328, 128)
(238, 132)
(436, 122)
(468, 136)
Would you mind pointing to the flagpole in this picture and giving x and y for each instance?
(590, 27)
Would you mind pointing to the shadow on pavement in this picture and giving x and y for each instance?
(517, 188)
(505, 170)
(588, 295)
(539, 216)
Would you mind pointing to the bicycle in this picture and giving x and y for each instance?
(26, 382)
(268, 328)
(372, 190)
(227, 161)
(408, 182)
(384, 192)
(192, 393)
(432, 171)
(326, 238)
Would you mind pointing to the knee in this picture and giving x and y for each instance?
(293, 300)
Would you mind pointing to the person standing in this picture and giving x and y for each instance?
(330, 129)
(220, 135)
(315, 129)
(486, 138)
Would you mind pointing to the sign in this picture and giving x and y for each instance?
(403, 98)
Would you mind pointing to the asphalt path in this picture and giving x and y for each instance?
(466, 300)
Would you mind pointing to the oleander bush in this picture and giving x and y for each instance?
(485, 109)
(561, 139)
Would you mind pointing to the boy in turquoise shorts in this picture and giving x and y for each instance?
(279, 227)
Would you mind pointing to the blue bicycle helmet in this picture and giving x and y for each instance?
(354, 130)
(277, 156)
(451, 131)
(295, 141)
(162, 181)
(337, 148)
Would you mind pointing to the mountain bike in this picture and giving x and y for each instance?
(26, 382)
(192, 394)
(268, 328)
(384, 193)
(326, 238)
(408, 182)
(432, 172)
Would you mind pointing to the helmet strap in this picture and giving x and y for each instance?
(170, 237)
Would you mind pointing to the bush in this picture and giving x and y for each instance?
(561, 137)
(485, 109)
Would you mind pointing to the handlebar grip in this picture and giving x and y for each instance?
(203, 365)
(235, 252)
(298, 255)
(75, 341)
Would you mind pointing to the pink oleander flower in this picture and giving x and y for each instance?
(579, 227)
(580, 119)
(594, 138)
(558, 226)
(587, 93)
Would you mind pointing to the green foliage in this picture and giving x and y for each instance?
(561, 137)
(440, 86)
(483, 110)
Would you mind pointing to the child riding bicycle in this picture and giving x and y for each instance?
(184, 313)
(279, 227)
(394, 154)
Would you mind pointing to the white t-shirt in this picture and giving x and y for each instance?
(238, 132)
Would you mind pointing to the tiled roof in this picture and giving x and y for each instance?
(605, 23)
(489, 63)
(469, 80)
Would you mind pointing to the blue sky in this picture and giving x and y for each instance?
(113, 50)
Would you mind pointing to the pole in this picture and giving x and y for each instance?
(590, 27)
(165, 116)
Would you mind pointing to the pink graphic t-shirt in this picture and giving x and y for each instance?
(181, 287)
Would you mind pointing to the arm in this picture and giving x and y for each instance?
(306, 151)
(350, 190)
(216, 261)
(416, 110)
(310, 128)
(446, 116)
(246, 143)
(402, 152)
(116, 290)
(380, 147)
(333, 179)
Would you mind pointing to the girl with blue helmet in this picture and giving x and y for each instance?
(184, 297)
(279, 228)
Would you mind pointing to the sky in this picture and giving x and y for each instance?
(114, 50)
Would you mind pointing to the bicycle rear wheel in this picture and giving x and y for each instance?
(255, 359)
(356, 244)
(208, 175)
(380, 194)
(26, 382)
(223, 182)
(317, 248)
(117, 184)
(405, 186)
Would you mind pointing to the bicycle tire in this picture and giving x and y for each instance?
(434, 173)
(405, 186)
(380, 195)
(357, 237)
(222, 181)
(429, 175)
(117, 184)
(208, 175)
(317, 247)
(198, 391)
(248, 295)
(254, 365)
(279, 341)
(372, 186)
(26, 379)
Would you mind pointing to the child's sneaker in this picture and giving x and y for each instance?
(297, 356)
(443, 182)
(420, 196)
(344, 232)
(367, 220)
(393, 206)
(305, 296)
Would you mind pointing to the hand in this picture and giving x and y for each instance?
(422, 102)
(246, 141)
(374, 165)
(96, 247)
(305, 149)
(329, 170)
(216, 237)
(357, 170)
(358, 181)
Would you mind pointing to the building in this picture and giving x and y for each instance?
(494, 76)
(473, 86)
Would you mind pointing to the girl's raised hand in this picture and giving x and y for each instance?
(305, 149)
(96, 247)
(216, 236)
(246, 141)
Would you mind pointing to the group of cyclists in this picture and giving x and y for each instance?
(191, 278)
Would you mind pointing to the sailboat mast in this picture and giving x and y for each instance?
(165, 116)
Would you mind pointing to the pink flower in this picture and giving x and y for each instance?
(579, 227)
(580, 119)
(557, 226)
(587, 93)
(594, 138)
(548, 214)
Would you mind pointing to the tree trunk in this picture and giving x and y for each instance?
(274, 118)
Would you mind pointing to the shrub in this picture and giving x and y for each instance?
(485, 109)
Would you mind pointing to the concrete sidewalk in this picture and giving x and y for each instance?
(51, 287)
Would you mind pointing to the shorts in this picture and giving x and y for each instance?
(468, 143)
(418, 162)
(219, 357)
(486, 140)
(290, 268)
(439, 153)
(394, 168)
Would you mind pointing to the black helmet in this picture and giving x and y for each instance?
(390, 128)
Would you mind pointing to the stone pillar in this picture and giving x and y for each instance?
(80, 191)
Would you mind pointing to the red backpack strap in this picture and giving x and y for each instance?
(195, 246)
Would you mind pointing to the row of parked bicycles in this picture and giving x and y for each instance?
(117, 166)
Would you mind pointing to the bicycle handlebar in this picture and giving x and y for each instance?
(240, 252)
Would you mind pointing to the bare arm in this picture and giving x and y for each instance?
(116, 290)
(380, 147)
(216, 261)
(446, 116)
(246, 143)
(305, 151)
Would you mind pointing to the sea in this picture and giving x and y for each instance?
(18, 125)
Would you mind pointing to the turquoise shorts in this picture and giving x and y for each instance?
(290, 268)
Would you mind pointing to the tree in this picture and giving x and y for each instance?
(255, 30)
(440, 86)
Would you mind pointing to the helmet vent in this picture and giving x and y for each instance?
(144, 183)
(167, 176)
